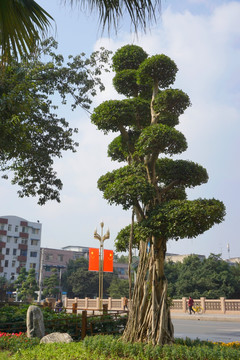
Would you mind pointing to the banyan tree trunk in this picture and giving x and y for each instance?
(149, 317)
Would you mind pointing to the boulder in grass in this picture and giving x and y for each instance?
(35, 323)
(56, 337)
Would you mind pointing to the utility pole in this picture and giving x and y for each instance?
(40, 276)
(101, 238)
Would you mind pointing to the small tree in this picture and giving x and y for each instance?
(29, 287)
(153, 185)
(51, 284)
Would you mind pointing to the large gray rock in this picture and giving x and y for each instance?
(35, 323)
(56, 337)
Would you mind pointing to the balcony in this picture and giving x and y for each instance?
(3, 221)
(2, 244)
(1, 269)
(23, 235)
(1, 256)
(3, 232)
(23, 223)
(22, 258)
(22, 246)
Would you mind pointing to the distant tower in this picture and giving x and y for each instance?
(228, 249)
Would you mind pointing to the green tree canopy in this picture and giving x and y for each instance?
(211, 278)
(51, 284)
(118, 288)
(29, 287)
(32, 135)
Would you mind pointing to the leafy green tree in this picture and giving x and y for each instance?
(235, 271)
(153, 185)
(23, 21)
(51, 284)
(29, 287)
(21, 277)
(77, 281)
(212, 278)
(118, 288)
(189, 280)
(31, 134)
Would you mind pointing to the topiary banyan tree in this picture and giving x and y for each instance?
(151, 183)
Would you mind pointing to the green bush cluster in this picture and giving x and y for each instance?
(107, 325)
(13, 319)
(109, 347)
(112, 348)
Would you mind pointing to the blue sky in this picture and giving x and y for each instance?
(203, 38)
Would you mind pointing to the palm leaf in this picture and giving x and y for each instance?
(110, 11)
(21, 24)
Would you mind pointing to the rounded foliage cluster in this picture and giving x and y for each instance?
(158, 69)
(128, 57)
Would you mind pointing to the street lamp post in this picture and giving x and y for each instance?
(101, 239)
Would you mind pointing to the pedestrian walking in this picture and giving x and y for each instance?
(125, 303)
(190, 305)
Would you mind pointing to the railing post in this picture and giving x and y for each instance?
(223, 306)
(86, 303)
(203, 304)
(184, 304)
(84, 324)
(109, 303)
(98, 303)
(105, 309)
(122, 301)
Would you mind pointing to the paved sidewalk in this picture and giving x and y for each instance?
(206, 317)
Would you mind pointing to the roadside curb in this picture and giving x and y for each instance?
(205, 317)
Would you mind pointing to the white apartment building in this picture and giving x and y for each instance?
(20, 242)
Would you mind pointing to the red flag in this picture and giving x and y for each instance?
(108, 261)
(93, 259)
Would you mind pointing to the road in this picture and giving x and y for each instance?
(207, 330)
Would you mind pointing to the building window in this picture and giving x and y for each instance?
(32, 266)
(6, 263)
(24, 229)
(24, 241)
(16, 228)
(34, 242)
(33, 254)
(15, 240)
(23, 252)
(49, 257)
(60, 257)
(13, 263)
(35, 231)
(9, 227)
(8, 238)
(7, 251)
(14, 251)
(12, 276)
(1, 226)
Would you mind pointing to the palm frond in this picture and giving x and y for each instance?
(22, 22)
(110, 11)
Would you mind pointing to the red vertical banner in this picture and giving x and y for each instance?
(93, 259)
(108, 261)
